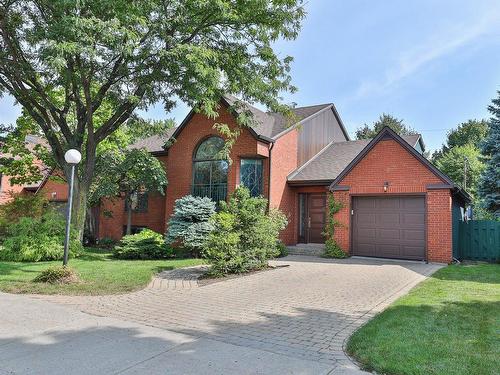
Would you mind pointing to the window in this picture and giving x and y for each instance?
(139, 202)
(209, 171)
(251, 175)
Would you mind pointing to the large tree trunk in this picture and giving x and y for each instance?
(128, 202)
(79, 207)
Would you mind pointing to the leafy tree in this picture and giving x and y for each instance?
(189, 224)
(128, 173)
(471, 132)
(368, 132)
(452, 164)
(64, 60)
(489, 185)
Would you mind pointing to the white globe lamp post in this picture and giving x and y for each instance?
(72, 157)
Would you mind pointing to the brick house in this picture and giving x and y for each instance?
(55, 191)
(396, 204)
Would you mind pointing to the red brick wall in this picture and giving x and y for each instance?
(179, 172)
(283, 162)
(180, 156)
(7, 190)
(389, 161)
(439, 222)
(55, 190)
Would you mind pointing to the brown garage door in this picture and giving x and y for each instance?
(389, 227)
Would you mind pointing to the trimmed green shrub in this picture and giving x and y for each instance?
(146, 244)
(57, 274)
(38, 239)
(245, 235)
(190, 223)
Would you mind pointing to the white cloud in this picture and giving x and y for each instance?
(440, 45)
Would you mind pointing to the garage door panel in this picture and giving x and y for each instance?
(390, 218)
(386, 235)
(415, 235)
(365, 204)
(367, 219)
(411, 219)
(365, 234)
(413, 203)
(387, 204)
(392, 227)
(388, 251)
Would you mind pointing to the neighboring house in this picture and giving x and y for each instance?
(55, 191)
(396, 204)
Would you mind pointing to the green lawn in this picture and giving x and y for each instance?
(98, 271)
(450, 324)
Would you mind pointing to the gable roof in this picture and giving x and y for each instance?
(388, 133)
(326, 165)
(268, 126)
(155, 143)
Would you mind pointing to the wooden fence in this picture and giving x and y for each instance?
(479, 240)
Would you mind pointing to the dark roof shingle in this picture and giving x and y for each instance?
(268, 125)
(333, 159)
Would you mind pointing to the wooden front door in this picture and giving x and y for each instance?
(312, 217)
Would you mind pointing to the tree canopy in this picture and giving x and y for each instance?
(489, 185)
(470, 132)
(452, 164)
(368, 132)
(128, 173)
(64, 61)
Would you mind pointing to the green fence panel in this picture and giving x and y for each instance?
(479, 240)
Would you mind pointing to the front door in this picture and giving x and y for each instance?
(312, 217)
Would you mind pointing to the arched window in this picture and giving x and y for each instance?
(209, 171)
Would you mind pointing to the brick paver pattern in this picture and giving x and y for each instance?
(307, 309)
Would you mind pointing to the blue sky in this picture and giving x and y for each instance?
(433, 63)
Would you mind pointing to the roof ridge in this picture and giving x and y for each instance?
(295, 172)
(313, 105)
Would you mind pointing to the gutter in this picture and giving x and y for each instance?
(269, 177)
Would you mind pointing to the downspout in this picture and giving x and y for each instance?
(269, 178)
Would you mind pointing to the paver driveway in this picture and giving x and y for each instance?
(304, 311)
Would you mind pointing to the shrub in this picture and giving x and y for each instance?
(332, 249)
(38, 239)
(244, 236)
(21, 205)
(282, 249)
(106, 243)
(190, 223)
(57, 274)
(146, 244)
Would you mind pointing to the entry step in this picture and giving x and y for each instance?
(313, 249)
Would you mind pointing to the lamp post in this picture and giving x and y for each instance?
(72, 157)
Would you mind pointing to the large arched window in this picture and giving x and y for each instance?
(209, 171)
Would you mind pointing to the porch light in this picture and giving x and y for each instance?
(386, 185)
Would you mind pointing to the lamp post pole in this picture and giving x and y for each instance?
(72, 157)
